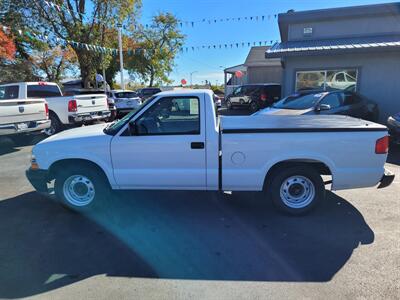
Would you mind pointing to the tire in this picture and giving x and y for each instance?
(254, 106)
(81, 188)
(229, 104)
(296, 190)
(55, 125)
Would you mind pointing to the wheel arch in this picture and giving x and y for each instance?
(321, 167)
(63, 163)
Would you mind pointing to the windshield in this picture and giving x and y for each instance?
(126, 95)
(298, 101)
(115, 126)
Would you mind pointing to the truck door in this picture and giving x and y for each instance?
(164, 147)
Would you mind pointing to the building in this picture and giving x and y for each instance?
(256, 69)
(354, 48)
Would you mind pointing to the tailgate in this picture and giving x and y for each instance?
(91, 103)
(21, 110)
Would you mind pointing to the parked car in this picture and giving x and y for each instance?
(393, 123)
(125, 100)
(182, 146)
(324, 103)
(64, 111)
(146, 93)
(341, 81)
(19, 115)
(254, 96)
(217, 101)
(110, 101)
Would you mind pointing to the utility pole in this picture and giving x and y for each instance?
(191, 82)
(121, 58)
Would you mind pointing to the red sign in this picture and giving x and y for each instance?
(239, 74)
(183, 81)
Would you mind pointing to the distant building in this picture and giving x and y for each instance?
(256, 69)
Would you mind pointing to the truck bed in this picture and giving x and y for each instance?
(322, 123)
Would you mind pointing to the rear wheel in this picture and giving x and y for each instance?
(228, 104)
(296, 190)
(81, 188)
(55, 125)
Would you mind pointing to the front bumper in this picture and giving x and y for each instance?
(38, 179)
(386, 179)
(24, 127)
(87, 117)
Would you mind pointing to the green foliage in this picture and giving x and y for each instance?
(162, 41)
(91, 22)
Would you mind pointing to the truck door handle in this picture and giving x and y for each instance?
(197, 145)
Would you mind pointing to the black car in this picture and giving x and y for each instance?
(324, 102)
(393, 123)
(146, 93)
(254, 96)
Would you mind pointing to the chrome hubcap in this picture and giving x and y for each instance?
(297, 191)
(78, 190)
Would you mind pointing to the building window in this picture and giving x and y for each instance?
(345, 79)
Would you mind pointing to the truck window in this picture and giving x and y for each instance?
(43, 90)
(171, 116)
(9, 92)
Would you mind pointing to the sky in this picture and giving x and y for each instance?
(208, 64)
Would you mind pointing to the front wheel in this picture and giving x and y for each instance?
(296, 190)
(81, 189)
(253, 106)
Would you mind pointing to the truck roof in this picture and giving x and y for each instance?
(30, 83)
(268, 123)
(186, 92)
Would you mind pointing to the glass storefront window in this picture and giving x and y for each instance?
(345, 79)
(310, 80)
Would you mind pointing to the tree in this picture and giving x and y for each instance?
(85, 22)
(161, 40)
(55, 62)
(7, 47)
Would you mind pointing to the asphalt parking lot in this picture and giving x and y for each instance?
(196, 245)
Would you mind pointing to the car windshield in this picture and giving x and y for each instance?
(298, 101)
(115, 126)
(126, 95)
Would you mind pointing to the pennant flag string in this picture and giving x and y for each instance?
(139, 50)
(182, 23)
(77, 45)
(232, 45)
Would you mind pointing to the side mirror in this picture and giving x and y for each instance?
(322, 107)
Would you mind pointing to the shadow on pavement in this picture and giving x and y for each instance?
(176, 235)
(11, 144)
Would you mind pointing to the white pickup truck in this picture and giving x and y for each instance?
(19, 115)
(175, 141)
(64, 111)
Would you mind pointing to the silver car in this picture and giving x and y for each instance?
(125, 100)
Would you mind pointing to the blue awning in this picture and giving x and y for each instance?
(318, 47)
